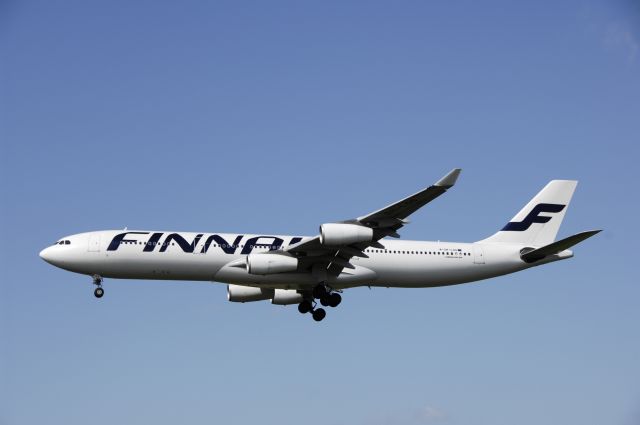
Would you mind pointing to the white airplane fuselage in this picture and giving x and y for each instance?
(187, 256)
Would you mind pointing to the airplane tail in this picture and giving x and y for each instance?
(537, 224)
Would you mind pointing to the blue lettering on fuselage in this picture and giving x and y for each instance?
(182, 242)
(119, 238)
(222, 243)
(227, 247)
(152, 242)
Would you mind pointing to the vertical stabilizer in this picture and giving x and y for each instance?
(537, 224)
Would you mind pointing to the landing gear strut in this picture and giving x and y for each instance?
(327, 297)
(320, 291)
(97, 280)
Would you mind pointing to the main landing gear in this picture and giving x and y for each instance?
(97, 280)
(327, 298)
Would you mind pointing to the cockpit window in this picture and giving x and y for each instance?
(64, 242)
(67, 242)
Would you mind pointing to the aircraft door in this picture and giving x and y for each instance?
(478, 254)
(94, 242)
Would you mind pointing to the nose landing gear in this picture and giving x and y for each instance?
(97, 280)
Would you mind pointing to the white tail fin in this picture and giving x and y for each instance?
(538, 222)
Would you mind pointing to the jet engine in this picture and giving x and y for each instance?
(270, 263)
(286, 296)
(243, 294)
(334, 234)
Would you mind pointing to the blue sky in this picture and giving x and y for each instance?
(274, 117)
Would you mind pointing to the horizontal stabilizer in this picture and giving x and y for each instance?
(556, 247)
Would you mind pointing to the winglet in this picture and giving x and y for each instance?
(450, 179)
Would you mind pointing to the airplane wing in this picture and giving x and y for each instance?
(333, 257)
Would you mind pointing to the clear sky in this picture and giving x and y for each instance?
(274, 117)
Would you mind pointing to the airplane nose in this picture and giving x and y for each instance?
(46, 255)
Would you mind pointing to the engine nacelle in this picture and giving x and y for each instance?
(271, 263)
(286, 296)
(243, 294)
(334, 234)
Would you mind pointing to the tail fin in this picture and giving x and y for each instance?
(537, 224)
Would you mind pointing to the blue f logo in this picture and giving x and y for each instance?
(533, 217)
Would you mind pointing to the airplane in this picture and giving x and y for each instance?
(307, 270)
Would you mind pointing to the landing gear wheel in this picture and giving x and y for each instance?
(335, 299)
(326, 300)
(99, 292)
(319, 314)
(305, 307)
(320, 291)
